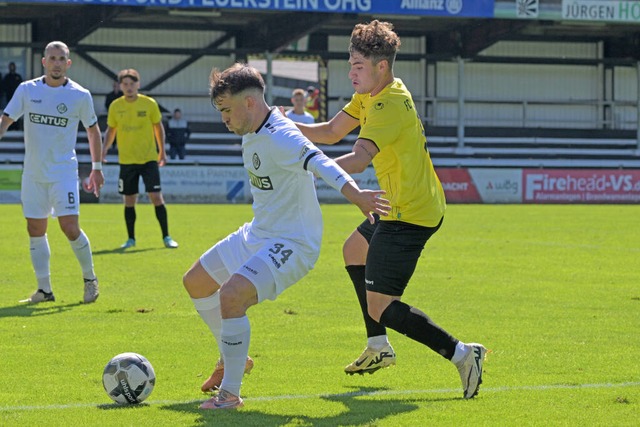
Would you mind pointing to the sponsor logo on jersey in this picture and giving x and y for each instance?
(62, 108)
(255, 159)
(379, 106)
(261, 182)
(142, 114)
(37, 101)
(48, 120)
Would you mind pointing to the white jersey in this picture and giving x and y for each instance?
(285, 204)
(51, 118)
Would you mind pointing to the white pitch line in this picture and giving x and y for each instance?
(338, 395)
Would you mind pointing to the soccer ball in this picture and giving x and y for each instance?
(128, 378)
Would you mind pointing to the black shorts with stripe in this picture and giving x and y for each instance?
(129, 179)
(394, 250)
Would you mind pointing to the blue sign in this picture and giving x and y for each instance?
(447, 8)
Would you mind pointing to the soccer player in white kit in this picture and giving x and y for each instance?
(282, 242)
(53, 105)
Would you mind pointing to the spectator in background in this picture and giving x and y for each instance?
(10, 83)
(313, 102)
(298, 113)
(113, 95)
(177, 135)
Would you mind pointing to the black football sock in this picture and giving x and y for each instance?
(161, 214)
(356, 272)
(419, 327)
(130, 219)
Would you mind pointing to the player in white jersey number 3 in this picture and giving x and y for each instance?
(282, 242)
(52, 107)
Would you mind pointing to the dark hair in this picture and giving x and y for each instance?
(376, 41)
(233, 80)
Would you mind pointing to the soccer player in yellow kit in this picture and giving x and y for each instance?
(137, 120)
(381, 258)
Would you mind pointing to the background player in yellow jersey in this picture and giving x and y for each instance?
(137, 120)
(381, 258)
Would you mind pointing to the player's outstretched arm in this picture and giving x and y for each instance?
(369, 201)
(329, 132)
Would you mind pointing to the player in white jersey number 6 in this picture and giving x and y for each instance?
(282, 242)
(52, 106)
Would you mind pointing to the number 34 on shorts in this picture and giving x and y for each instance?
(279, 254)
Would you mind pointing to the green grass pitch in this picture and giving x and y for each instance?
(552, 291)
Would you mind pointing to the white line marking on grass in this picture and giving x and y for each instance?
(336, 395)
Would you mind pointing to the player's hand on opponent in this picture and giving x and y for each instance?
(374, 203)
(369, 201)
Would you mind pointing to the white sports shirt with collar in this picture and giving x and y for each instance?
(285, 204)
(51, 119)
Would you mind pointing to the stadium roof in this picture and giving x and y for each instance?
(257, 31)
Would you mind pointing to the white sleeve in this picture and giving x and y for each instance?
(15, 107)
(327, 169)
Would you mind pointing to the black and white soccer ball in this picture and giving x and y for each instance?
(128, 378)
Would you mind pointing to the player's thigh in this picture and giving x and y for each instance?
(151, 177)
(394, 251)
(128, 180)
(272, 265)
(287, 261)
(35, 200)
(65, 198)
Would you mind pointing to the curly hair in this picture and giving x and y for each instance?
(376, 41)
(234, 80)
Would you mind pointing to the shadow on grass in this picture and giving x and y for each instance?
(42, 309)
(359, 409)
(116, 406)
(124, 251)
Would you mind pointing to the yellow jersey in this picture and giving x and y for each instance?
(403, 166)
(134, 123)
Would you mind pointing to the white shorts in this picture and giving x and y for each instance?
(41, 199)
(271, 265)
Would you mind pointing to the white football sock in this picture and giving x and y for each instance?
(209, 310)
(235, 337)
(82, 248)
(461, 351)
(40, 255)
(378, 342)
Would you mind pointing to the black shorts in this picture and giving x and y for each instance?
(394, 250)
(130, 178)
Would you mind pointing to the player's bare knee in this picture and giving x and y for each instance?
(70, 229)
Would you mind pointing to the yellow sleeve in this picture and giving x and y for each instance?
(111, 116)
(156, 116)
(353, 107)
